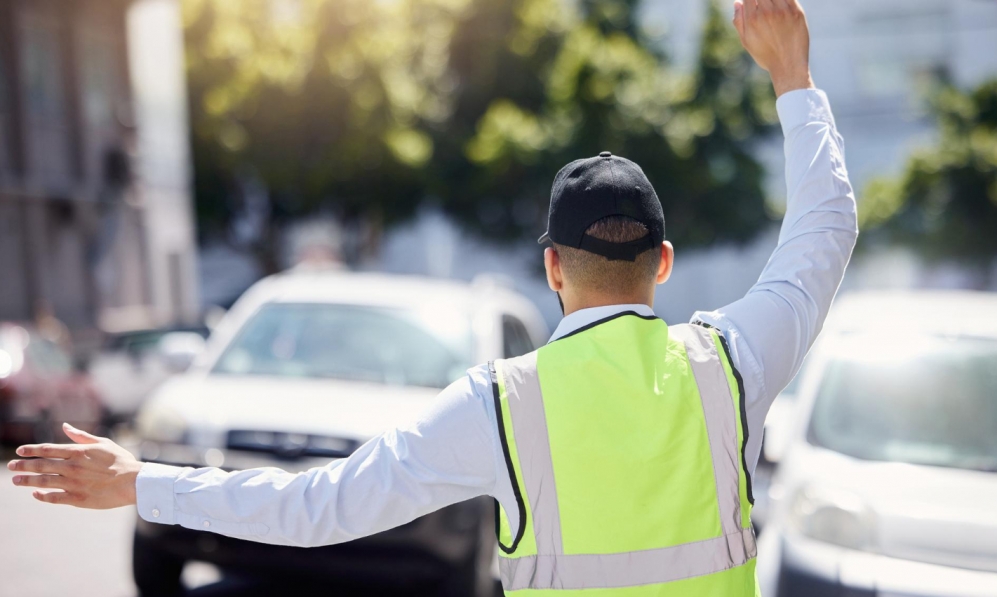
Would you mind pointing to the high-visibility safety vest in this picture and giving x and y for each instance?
(625, 447)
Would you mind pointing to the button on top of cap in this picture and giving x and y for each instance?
(605, 154)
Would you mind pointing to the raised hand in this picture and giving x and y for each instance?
(776, 35)
(92, 473)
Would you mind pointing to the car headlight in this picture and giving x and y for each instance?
(834, 516)
(160, 424)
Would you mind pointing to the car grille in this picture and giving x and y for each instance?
(291, 445)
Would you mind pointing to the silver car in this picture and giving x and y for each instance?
(888, 480)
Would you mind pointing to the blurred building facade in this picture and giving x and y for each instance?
(876, 60)
(96, 224)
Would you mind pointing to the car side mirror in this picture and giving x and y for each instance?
(213, 316)
(179, 349)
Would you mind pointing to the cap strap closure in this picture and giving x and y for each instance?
(627, 251)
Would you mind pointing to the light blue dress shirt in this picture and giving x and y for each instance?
(452, 453)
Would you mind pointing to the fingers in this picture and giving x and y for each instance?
(775, 5)
(47, 451)
(78, 435)
(44, 481)
(739, 17)
(57, 467)
(55, 497)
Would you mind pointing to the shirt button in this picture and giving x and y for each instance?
(155, 512)
(207, 523)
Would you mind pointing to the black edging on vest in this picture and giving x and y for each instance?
(512, 471)
(741, 407)
(610, 318)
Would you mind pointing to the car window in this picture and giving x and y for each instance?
(406, 347)
(515, 339)
(794, 385)
(924, 400)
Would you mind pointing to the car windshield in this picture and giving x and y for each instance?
(405, 347)
(921, 400)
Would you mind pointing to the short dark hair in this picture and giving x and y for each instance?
(598, 273)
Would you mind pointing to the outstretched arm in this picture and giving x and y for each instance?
(771, 329)
(446, 457)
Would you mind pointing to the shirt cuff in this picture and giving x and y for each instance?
(803, 106)
(154, 492)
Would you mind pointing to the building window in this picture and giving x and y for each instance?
(100, 83)
(897, 78)
(101, 98)
(48, 131)
(901, 50)
(5, 122)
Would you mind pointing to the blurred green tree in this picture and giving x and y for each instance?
(944, 205)
(320, 100)
(371, 108)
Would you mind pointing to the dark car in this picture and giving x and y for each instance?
(415, 559)
(41, 387)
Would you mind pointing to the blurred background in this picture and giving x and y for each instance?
(377, 171)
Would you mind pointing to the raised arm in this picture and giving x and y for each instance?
(771, 329)
(444, 458)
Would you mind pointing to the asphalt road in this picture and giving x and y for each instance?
(56, 550)
(48, 550)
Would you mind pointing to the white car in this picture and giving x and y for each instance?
(774, 436)
(887, 484)
(302, 370)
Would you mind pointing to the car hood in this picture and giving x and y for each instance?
(922, 513)
(211, 405)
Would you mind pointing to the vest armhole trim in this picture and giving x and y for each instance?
(517, 492)
(742, 409)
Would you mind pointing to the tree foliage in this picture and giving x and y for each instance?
(372, 107)
(945, 203)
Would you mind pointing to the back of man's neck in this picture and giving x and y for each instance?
(594, 302)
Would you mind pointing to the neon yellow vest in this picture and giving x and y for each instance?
(625, 446)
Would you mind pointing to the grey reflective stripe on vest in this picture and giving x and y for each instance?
(529, 426)
(630, 569)
(551, 568)
(720, 414)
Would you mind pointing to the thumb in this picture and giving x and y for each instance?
(739, 18)
(79, 436)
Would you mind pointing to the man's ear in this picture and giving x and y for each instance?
(552, 263)
(667, 260)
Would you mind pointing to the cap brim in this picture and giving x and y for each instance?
(544, 239)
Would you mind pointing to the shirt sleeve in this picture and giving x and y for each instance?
(771, 329)
(445, 457)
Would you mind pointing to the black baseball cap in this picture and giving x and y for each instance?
(588, 190)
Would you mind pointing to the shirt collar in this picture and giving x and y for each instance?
(584, 317)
